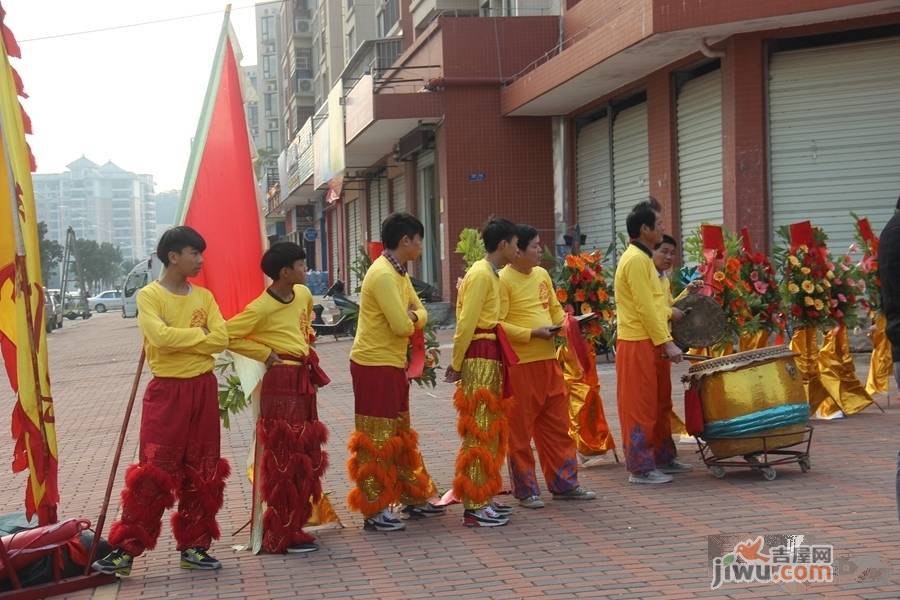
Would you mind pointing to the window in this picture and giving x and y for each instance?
(270, 140)
(351, 42)
(267, 28)
(269, 68)
(270, 105)
(304, 63)
(388, 15)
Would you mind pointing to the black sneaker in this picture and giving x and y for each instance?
(383, 521)
(501, 509)
(302, 548)
(423, 511)
(118, 562)
(484, 517)
(199, 559)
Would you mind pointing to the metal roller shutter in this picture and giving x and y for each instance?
(834, 119)
(631, 162)
(593, 185)
(399, 190)
(354, 239)
(699, 115)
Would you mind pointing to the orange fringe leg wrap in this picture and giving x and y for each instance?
(416, 485)
(367, 461)
(477, 451)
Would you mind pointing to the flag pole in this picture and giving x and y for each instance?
(25, 285)
(101, 519)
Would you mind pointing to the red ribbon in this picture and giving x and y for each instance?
(417, 356)
(577, 343)
(693, 410)
(746, 242)
(510, 359)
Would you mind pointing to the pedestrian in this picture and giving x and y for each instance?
(531, 316)
(482, 397)
(643, 334)
(889, 273)
(289, 462)
(179, 436)
(385, 464)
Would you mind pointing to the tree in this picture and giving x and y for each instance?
(101, 263)
(51, 252)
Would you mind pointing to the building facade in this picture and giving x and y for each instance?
(750, 115)
(100, 202)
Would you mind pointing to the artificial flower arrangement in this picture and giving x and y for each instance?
(584, 286)
(763, 298)
(848, 293)
(722, 272)
(807, 277)
(868, 264)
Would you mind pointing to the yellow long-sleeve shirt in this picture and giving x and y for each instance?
(477, 307)
(269, 324)
(640, 299)
(174, 340)
(384, 327)
(528, 302)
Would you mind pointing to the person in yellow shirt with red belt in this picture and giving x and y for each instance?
(483, 397)
(529, 311)
(179, 437)
(642, 336)
(668, 422)
(289, 462)
(385, 464)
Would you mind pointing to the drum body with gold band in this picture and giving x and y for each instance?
(749, 395)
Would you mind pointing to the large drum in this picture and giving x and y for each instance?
(748, 395)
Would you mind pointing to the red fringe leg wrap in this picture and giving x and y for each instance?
(148, 492)
(199, 500)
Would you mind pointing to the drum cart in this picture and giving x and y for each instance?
(764, 460)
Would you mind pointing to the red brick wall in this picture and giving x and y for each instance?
(515, 155)
(744, 154)
(663, 149)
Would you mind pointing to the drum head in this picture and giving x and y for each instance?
(703, 324)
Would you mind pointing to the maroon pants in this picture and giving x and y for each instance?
(290, 458)
(179, 455)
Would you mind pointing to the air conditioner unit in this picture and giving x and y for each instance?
(305, 85)
(415, 141)
(271, 86)
(301, 26)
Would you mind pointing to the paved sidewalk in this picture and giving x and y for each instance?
(633, 542)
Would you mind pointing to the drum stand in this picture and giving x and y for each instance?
(765, 460)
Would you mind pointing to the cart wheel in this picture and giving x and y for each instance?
(804, 465)
(769, 473)
(717, 472)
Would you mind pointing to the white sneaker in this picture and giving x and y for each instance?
(532, 502)
(654, 476)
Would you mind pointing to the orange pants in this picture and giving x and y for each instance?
(540, 411)
(641, 383)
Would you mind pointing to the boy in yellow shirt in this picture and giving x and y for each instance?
(529, 311)
(289, 461)
(385, 463)
(179, 437)
(642, 336)
(480, 351)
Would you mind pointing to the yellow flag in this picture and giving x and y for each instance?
(22, 337)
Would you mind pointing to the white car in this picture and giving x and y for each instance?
(105, 301)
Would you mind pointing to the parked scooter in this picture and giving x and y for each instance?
(346, 323)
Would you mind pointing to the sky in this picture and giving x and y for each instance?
(130, 95)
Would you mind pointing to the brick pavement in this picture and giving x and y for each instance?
(635, 542)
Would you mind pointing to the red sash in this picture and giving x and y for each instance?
(315, 376)
(508, 356)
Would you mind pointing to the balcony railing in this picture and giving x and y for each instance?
(373, 57)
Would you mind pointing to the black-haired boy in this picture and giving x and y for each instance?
(179, 438)
(289, 461)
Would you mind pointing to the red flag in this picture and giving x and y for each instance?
(220, 187)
